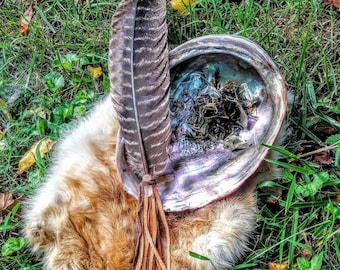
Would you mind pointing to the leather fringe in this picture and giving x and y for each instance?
(150, 253)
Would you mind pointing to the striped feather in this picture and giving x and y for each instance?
(139, 76)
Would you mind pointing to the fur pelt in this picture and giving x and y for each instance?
(82, 218)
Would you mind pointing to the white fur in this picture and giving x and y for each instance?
(73, 153)
(223, 239)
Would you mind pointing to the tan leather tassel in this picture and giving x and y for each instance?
(150, 254)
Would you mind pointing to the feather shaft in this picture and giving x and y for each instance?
(139, 75)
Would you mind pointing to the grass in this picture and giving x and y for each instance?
(45, 86)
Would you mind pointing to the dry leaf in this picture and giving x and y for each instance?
(5, 200)
(179, 5)
(7, 203)
(325, 130)
(80, 2)
(24, 22)
(284, 265)
(306, 253)
(323, 158)
(278, 266)
(44, 145)
(276, 195)
(3, 107)
(337, 199)
(335, 3)
(95, 71)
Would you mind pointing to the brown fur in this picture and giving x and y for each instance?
(82, 218)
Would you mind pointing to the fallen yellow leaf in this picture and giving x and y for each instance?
(2, 140)
(3, 107)
(278, 266)
(95, 71)
(43, 146)
(179, 5)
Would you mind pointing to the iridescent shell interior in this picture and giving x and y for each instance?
(213, 153)
(215, 104)
(227, 98)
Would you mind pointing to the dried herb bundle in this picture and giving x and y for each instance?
(206, 114)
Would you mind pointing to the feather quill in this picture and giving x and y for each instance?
(139, 76)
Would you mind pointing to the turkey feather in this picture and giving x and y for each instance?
(139, 76)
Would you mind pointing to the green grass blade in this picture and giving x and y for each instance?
(309, 133)
(311, 93)
(337, 157)
(329, 119)
(281, 151)
(43, 17)
(336, 240)
(243, 266)
(290, 167)
(198, 256)
(292, 242)
(290, 192)
(303, 52)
